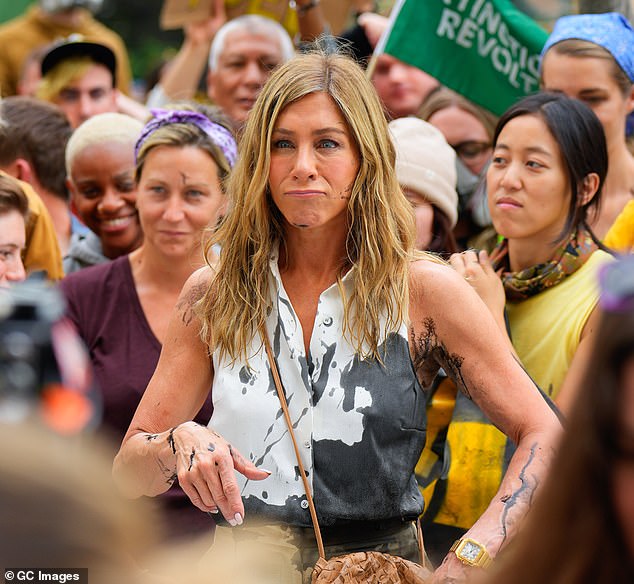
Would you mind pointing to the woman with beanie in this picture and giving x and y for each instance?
(426, 171)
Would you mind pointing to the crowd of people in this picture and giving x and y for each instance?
(447, 295)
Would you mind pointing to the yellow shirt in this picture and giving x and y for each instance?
(546, 328)
(546, 331)
(620, 237)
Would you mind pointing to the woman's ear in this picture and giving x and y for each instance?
(588, 189)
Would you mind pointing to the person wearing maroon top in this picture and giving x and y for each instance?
(121, 308)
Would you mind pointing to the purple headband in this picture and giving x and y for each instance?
(219, 135)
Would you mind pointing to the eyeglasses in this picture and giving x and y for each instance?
(470, 149)
(616, 283)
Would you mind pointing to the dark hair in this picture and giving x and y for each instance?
(12, 197)
(573, 534)
(36, 131)
(443, 241)
(581, 140)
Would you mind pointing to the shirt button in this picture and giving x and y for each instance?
(307, 444)
(328, 321)
(304, 504)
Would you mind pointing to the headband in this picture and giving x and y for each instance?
(609, 30)
(219, 135)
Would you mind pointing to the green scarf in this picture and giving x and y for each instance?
(567, 259)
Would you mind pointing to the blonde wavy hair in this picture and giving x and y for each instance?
(380, 242)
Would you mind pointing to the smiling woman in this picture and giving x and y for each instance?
(182, 157)
(100, 178)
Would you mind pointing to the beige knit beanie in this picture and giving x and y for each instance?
(426, 164)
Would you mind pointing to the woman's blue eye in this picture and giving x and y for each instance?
(328, 144)
(282, 144)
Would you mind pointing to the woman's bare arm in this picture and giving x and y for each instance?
(453, 328)
(162, 443)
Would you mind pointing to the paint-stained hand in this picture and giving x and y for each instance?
(206, 465)
(476, 268)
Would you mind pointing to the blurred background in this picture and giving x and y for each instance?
(137, 21)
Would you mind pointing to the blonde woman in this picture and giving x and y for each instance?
(318, 251)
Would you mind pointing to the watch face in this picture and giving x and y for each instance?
(470, 551)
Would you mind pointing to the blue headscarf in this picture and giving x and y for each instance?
(609, 30)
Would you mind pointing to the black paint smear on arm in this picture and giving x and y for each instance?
(431, 353)
(170, 440)
(523, 491)
(186, 305)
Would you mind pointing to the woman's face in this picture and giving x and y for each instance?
(424, 217)
(465, 134)
(179, 196)
(623, 483)
(103, 194)
(314, 162)
(12, 243)
(590, 80)
(528, 187)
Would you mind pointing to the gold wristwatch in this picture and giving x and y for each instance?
(470, 552)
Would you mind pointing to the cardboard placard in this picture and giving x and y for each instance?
(178, 13)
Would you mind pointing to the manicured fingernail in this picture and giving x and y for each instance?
(214, 511)
(232, 522)
(238, 519)
(266, 471)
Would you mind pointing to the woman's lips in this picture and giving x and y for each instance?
(304, 193)
(507, 203)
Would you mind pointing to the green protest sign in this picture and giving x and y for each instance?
(486, 50)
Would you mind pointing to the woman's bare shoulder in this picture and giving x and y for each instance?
(430, 274)
(194, 290)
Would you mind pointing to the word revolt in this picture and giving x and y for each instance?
(60, 575)
(477, 25)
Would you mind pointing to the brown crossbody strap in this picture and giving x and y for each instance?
(309, 497)
(289, 423)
